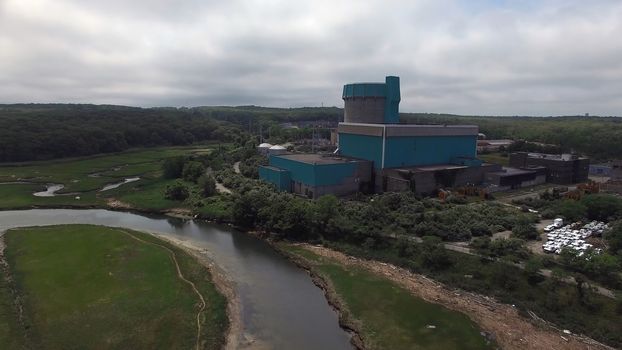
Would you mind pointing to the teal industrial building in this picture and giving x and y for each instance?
(376, 154)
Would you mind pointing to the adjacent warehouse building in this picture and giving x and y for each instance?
(561, 169)
(376, 153)
(513, 178)
(314, 175)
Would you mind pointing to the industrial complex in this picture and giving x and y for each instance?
(375, 153)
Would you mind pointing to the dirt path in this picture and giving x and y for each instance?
(221, 188)
(181, 276)
(510, 330)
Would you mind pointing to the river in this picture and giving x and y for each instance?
(280, 306)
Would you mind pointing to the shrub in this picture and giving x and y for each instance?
(192, 171)
(207, 185)
(173, 167)
(176, 191)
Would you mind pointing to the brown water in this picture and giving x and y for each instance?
(280, 305)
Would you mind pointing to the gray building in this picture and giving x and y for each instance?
(561, 169)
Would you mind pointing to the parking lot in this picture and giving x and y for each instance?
(574, 236)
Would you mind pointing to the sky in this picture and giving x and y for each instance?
(484, 57)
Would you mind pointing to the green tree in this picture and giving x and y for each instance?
(207, 185)
(192, 171)
(482, 246)
(572, 210)
(433, 253)
(324, 209)
(525, 230)
(173, 167)
(614, 238)
(602, 207)
(176, 191)
(532, 270)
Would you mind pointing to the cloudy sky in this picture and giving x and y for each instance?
(522, 57)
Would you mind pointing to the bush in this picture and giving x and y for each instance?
(176, 191)
(173, 167)
(192, 171)
(571, 210)
(525, 231)
(602, 207)
(207, 185)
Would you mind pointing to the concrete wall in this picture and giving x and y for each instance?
(373, 102)
(559, 171)
(427, 182)
(364, 110)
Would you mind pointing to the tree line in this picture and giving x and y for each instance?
(41, 132)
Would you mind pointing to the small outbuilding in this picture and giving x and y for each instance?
(276, 150)
(264, 148)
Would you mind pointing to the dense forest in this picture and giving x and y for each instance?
(47, 131)
(39, 132)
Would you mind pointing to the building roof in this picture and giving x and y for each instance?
(277, 147)
(494, 142)
(320, 159)
(407, 129)
(507, 171)
(427, 168)
(265, 145)
(557, 157)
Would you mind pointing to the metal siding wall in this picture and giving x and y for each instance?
(391, 108)
(411, 151)
(279, 178)
(300, 172)
(310, 174)
(362, 146)
(285, 181)
(333, 174)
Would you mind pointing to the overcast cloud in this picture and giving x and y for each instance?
(547, 57)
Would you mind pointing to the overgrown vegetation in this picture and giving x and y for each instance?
(390, 316)
(578, 309)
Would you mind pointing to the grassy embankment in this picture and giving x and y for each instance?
(582, 312)
(85, 177)
(389, 316)
(85, 286)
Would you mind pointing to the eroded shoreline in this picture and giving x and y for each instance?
(509, 328)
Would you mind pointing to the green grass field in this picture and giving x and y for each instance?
(85, 177)
(146, 194)
(85, 286)
(390, 316)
